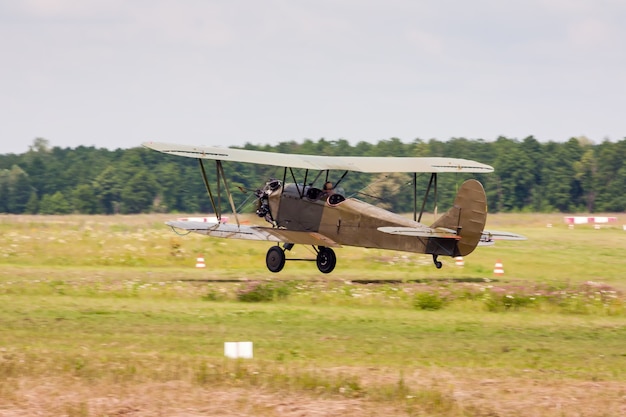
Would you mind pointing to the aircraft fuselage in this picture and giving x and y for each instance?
(348, 222)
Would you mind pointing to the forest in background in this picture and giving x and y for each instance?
(530, 176)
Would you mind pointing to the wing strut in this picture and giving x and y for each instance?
(340, 179)
(296, 182)
(433, 181)
(218, 213)
(415, 197)
(230, 196)
(219, 189)
(317, 177)
(217, 208)
(306, 175)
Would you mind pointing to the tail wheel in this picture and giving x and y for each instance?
(326, 260)
(437, 263)
(275, 259)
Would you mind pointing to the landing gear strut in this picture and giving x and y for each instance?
(438, 264)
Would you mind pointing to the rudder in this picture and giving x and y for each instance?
(467, 216)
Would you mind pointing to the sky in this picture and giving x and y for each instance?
(116, 73)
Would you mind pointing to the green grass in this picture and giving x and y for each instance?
(110, 301)
(323, 335)
(555, 254)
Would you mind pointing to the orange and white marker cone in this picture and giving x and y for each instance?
(458, 261)
(498, 269)
(200, 262)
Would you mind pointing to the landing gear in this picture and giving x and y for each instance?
(438, 264)
(275, 259)
(326, 259)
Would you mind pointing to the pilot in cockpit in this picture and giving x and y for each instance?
(328, 188)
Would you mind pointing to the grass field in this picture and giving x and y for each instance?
(108, 316)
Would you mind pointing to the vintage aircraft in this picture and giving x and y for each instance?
(313, 210)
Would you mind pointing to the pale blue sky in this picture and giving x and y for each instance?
(115, 73)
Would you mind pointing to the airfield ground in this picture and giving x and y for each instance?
(108, 316)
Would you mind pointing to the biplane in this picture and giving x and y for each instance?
(308, 206)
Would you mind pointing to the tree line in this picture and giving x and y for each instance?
(572, 176)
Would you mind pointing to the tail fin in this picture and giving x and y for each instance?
(467, 217)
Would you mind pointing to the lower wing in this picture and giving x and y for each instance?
(231, 231)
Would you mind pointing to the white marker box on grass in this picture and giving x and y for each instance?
(236, 350)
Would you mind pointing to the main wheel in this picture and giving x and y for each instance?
(275, 259)
(326, 260)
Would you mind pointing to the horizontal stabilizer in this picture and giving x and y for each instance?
(232, 231)
(420, 232)
(488, 236)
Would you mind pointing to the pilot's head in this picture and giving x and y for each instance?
(328, 186)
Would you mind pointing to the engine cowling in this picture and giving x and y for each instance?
(263, 194)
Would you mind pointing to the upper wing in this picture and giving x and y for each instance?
(317, 162)
(233, 231)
